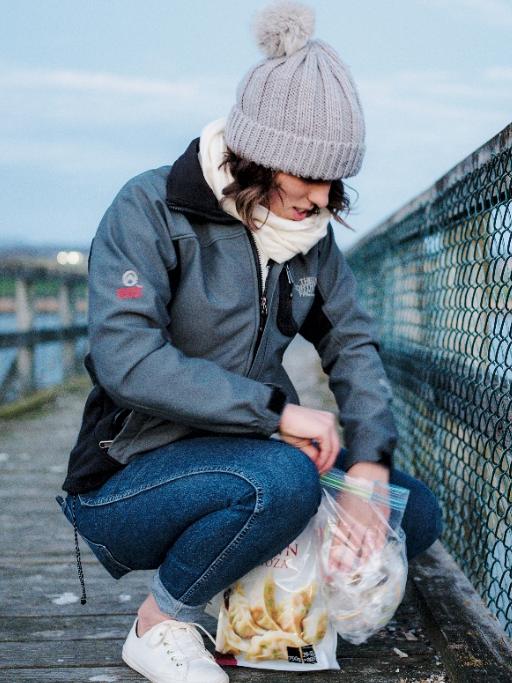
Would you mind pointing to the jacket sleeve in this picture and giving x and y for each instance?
(134, 359)
(344, 336)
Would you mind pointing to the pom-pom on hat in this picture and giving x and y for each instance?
(297, 110)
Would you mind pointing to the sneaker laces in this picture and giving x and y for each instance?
(175, 635)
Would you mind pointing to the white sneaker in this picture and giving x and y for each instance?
(172, 652)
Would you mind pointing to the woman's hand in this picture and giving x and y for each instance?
(362, 529)
(314, 432)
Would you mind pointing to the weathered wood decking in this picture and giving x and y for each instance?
(47, 635)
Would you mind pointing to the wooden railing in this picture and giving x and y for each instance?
(28, 290)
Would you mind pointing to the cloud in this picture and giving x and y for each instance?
(102, 98)
(67, 119)
(499, 73)
(418, 120)
(420, 123)
(494, 12)
(62, 155)
(93, 82)
(441, 95)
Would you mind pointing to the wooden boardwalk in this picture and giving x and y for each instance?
(47, 635)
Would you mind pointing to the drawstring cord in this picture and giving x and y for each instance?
(83, 599)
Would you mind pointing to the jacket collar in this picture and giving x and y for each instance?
(188, 191)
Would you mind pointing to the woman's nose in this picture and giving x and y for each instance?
(319, 194)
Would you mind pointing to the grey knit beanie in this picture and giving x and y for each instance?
(298, 110)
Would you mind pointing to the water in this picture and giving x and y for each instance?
(48, 356)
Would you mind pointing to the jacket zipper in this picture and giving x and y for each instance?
(290, 279)
(262, 293)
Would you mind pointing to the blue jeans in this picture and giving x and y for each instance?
(206, 510)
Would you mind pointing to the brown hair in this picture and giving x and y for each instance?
(252, 185)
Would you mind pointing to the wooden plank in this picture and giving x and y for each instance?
(19, 481)
(56, 558)
(41, 593)
(58, 627)
(470, 639)
(41, 588)
(37, 521)
(13, 463)
(61, 654)
(22, 506)
(61, 573)
(388, 670)
(21, 630)
(63, 598)
(29, 338)
(120, 674)
(116, 626)
(103, 652)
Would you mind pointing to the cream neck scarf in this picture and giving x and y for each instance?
(276, 238)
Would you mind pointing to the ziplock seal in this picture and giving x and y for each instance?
(395, 496)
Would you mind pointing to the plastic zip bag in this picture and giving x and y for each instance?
(275, 617)
(362, 554)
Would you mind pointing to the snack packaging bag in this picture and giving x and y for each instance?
(362, 553)
(275, 617)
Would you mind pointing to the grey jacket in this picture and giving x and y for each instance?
(183, 337)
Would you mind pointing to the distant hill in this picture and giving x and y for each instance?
(52, 256)
(17, 249)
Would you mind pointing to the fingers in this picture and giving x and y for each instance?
(323, 452)
(329, 447)
(319, 427)
(313, 454)
(345, 546)
(353, 545)
(335, 449)
(344, 557)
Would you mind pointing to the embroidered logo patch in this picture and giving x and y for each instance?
(131, 289)
(130, 278)
(306, 286)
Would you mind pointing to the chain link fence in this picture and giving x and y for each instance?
(437, 277)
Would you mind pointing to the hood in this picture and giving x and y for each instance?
(188, 192)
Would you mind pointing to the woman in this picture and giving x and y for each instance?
(200, 276)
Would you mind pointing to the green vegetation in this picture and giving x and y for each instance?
(46, 287)
(43, 398)
(6, 286)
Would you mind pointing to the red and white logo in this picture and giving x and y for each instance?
(131, 289)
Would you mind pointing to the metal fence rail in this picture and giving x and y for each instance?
(437, 277)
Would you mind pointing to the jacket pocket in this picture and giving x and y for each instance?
(89, 465)
(114, 567)
(133, 424)
(108, 428)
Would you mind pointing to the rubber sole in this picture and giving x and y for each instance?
(144, 673)
(138, 669)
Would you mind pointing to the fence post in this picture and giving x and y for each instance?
(66, 317)
(24, 321)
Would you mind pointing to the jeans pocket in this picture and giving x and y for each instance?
(112, 565)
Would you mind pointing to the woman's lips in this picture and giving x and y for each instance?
(300, 215)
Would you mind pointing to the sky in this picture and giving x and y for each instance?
(95, 92)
